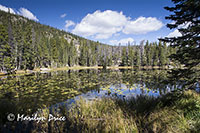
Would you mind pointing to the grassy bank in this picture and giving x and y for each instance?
(176, 112)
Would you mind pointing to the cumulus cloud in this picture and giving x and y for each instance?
(104, 24)
(6, 9)
(68, 23)
(123, 41)
(26, 13)
(63, 15)
(22, 11)
(142, 25)
(175, 33)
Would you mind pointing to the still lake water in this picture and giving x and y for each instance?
(27, 94)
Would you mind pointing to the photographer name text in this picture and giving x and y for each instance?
(35, 117)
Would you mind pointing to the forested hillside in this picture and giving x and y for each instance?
(26, 44)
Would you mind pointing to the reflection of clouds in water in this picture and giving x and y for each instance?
(120, 90)
(48, 89)
(127, 90)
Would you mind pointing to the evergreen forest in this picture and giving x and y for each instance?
(26, 45)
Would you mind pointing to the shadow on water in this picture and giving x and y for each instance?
(30, 93)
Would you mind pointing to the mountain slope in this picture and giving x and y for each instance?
(32, 44)
(26, 44)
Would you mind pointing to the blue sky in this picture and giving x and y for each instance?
(107, 21)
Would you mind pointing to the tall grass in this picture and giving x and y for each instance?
(100, 115)
(175, 112)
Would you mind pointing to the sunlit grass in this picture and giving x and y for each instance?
(175, 112)
(171, 113)
(100, 115)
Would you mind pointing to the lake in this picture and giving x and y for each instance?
(28, 93)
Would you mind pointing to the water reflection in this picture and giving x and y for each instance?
(27, 94)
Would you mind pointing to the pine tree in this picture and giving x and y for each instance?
(61, 51)
(65, 53)
(88, 55)
(138, 57)
(143, 54)
(35, 45)
(54, 52)
(124, 57)
(6, 60)
(104, 58)
(147, 51)
(155, 56)
(83, 55)
(3, 44)
(94, 54)
(18, 41)
(42, 52)
(72, 54)
(109, 56)
(28, 50)
(186, 18)
(131, 56)
(166, 53)
(162, 55)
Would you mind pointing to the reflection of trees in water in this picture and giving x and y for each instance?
(154, 80)
(26, 94)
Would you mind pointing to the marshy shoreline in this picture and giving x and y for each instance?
(173, 112)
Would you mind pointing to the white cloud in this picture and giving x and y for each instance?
(68, 23)
(22, 11)
(105, 24)
(175, 33)
(26, 13)
(185, 25)
(4, 8)
(142, 25)
(63, 15)
(101, 25)
(123, 41)
(113, 42)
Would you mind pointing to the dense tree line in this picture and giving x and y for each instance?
(26, 44)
